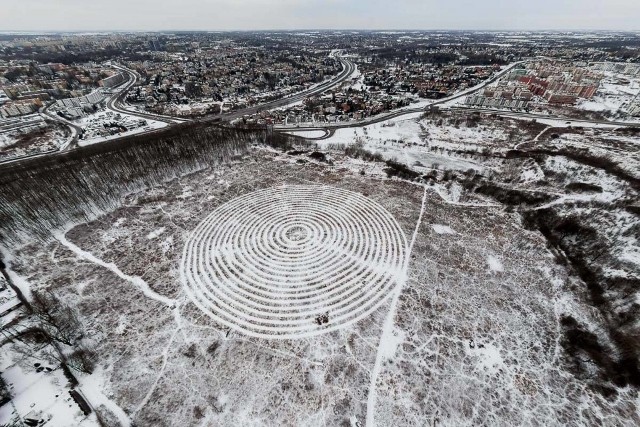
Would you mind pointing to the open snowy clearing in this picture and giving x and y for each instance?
(39, 391)
(313, 134)
(471, 338)
(441, 140)
(399, 139)
(94, 126)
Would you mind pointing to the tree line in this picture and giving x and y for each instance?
(42, 194)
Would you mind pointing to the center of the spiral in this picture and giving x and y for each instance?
(296, 234)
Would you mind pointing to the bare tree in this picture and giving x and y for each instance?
(56, 319)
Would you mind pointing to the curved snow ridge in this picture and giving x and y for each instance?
(294, 261)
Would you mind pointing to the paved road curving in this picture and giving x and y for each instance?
(116, 103)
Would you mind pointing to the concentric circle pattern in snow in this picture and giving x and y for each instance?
(294, 261)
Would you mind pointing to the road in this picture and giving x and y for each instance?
(348, 68)
(113, 103)
(392, 115)
(71, 142)
(76, 130)
(116, 102)
(330, 128)
(565, 120)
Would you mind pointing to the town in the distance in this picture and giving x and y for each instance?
(61, 91)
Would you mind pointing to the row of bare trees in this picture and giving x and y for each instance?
(42, 194)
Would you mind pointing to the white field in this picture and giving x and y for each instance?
(471, 337)
(417, 143)
(38, 395)
(55, 138)
(93, 123)
(308, 133)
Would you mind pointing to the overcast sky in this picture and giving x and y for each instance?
(99, 15)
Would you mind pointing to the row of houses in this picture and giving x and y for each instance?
(487, 102)
(618, 67)
(557, 82)
(113, 81)
(91, 99)
(558, 91)
(74, 108)
(20, 108)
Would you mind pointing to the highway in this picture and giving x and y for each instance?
(348, 68)
(331, 127)
(116, 102)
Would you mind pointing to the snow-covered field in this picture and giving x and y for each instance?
(614, 94)
(467, 332)
(313, 134)
(39, 390)
(294, 261)
(31, 135)
(622, 149)
(449, 141)
(95, 130)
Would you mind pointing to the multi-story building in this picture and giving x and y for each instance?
(113, 81)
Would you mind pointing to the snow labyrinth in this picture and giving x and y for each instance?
(294, 261)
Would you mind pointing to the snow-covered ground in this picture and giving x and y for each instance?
(476, 326)
(614, 94)
(39, 391)
(308, 133)
(31, 134)
(420, 144)
(469, 333)
(95, 131)
(623, 150)
(403, 129)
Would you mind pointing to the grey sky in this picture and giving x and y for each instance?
(33, 15)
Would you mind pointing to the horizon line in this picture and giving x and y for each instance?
(561, 30)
